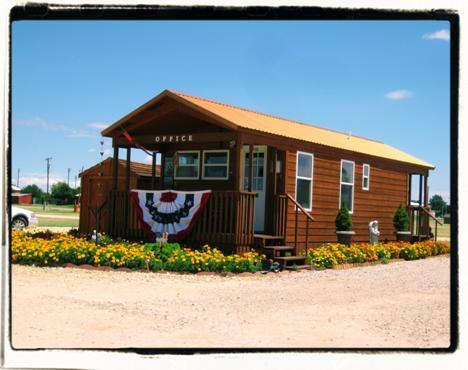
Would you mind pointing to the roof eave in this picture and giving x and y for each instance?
(107, 131)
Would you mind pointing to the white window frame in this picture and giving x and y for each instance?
(366, 177)
(215, 165)
(309, 209)
(176, 165)
(347, 183)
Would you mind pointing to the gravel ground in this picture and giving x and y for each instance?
(401, 304)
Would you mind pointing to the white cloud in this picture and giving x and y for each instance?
(148, 159)
(41, 180)
(68, 131)
(79, 134)
(98, 126)
(437, 35)
(398, 94)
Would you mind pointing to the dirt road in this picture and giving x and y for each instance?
(402, 304)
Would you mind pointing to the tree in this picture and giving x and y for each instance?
(76, 191)
(33, 189)
(438, 204)
(62, 193)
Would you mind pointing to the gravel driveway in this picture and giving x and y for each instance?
(402, 304)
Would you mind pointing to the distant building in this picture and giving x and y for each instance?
(20, 198)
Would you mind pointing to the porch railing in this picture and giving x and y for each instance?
(228, 219)
(419, 222)
(123, 221)
(282, 203)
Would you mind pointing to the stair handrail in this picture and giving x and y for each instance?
(300, 207)
(421, 207)
(308, 218)
(431, 215)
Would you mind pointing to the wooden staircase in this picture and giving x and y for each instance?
(273, 247)
(419, 223)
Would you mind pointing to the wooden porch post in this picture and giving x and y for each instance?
(161, 170)
(127, 191)
(153, 171)
(420, 188)
(127, 171)
(410, 176)
(238, 164)
(250, 167)
(426, 191)
(112, 199)
(115, 167)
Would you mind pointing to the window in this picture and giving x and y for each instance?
(365, 176)
(304, 171)
(187, 164)
(347, 184)
(215, 164)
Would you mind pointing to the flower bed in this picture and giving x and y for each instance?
(55, 249)
(329, 255)
(48, 249)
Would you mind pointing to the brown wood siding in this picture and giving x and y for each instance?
(202, 184)
(96, 183)
(388, 188)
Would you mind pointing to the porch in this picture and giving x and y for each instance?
(246, 179)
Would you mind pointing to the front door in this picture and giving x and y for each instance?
(258, 181)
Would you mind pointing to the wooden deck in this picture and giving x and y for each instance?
(227, 219)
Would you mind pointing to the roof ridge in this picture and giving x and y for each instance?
(271, 115)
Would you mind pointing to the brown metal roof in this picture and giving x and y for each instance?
(237, 117)
(138, 168)
(142, 169)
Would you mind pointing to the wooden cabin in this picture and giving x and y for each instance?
(272, 178)
(96, 184)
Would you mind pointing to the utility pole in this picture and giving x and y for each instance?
(75, 181)
(17, 179)
(47, 188)
(68, 177)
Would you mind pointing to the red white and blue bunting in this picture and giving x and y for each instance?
(174, 212)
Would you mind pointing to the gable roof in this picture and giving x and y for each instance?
(236, 117)
(137, 168)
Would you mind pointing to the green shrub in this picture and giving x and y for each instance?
(401, 219)
(343, 220)
(162, 251)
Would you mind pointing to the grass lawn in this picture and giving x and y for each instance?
(52, 208)
(51, 222)
(442, 230)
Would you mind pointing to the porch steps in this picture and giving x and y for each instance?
(298, 267)
(419, 238)
(278, 248)
(264, 239)
(286, 260)
(274, 248)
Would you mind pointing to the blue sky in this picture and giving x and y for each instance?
(386, 80)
